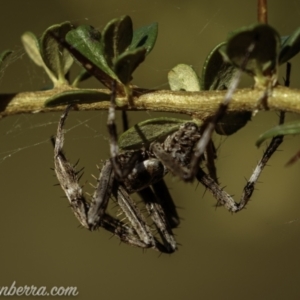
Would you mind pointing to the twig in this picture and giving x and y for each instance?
(196, 104)
(262, 11)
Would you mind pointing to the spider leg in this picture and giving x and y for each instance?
(120, 171)
(112, 129)
(249, 188)
(68, 177)
(101, 196)
(162, 192)
(160, 219)
(125, 233)
(223, 197)
(210, 157)
(140, 226)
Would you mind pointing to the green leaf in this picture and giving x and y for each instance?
(216, 73)
(127, 63)
(285, 129)
(145, 37)
(263, 60)
(57, 59)
(290, 47)
(32, 48)
(77, 97)
(87, 41)
(117, 36)
(183, 78)
(144, 133)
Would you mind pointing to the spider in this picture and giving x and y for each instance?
(180, 153)
(150, 165)
(145, 170)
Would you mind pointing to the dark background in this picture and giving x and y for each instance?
(251, 255)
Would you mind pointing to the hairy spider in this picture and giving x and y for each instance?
(142, 171)
(145, 170)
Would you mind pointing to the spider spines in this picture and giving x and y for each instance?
(223, 188)
(94, 177)
(79, 171)
(76, 163)
(80, 176)
(93, 186)
(119, 213)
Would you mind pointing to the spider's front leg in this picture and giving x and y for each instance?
(68, 177)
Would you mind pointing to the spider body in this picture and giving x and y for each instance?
(146, 170)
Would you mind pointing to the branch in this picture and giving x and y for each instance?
(197, 104)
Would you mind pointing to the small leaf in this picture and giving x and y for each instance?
(127, 63)
(216, 73)
(86, 40)
(290, 46)
(263, 60)
(144, 133)
(183, 78)
(57, 59)
(77, 97)
(145, 37)
(32, 48)
(117, 36)
(285, 129)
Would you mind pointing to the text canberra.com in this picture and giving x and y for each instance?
(32, 290)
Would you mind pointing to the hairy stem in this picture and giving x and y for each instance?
(196, 104)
